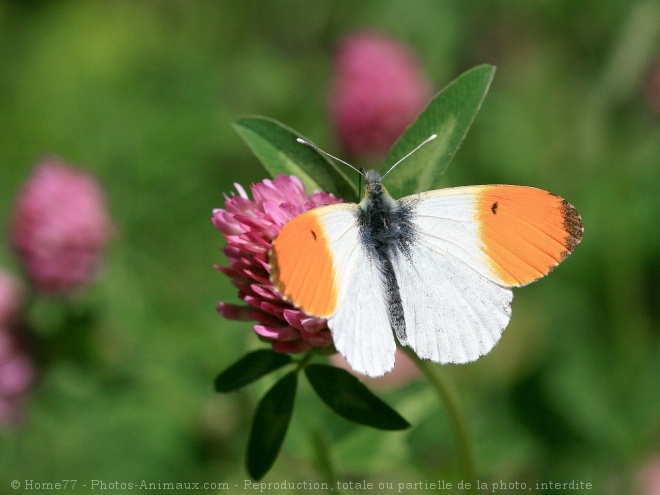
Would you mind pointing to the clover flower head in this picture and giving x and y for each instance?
(249, 226)
(60, 226)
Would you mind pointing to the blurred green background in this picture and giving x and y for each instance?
(142, 94)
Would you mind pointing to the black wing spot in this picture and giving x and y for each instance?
(313, 234)
(493, 208)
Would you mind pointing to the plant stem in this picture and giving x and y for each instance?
(302, 363)
(456, 415)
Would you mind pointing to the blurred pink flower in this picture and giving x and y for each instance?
(405, 371)
(16, 376)
(249, 227)
(10, 299)
(378, 90)
(60, 226)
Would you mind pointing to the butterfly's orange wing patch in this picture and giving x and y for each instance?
(302, 265)
(525, 232)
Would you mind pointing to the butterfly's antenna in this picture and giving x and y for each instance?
(312, 145)
(427, 140)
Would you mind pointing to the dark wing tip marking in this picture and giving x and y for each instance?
(572, 225)
(493, 208)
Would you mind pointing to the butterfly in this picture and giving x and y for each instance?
(432, 270)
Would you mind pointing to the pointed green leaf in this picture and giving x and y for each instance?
(269, 426)
(250, 368)
(276, 147)
(345, 395)
(449, 115)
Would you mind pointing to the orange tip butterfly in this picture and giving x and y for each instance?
(436, 267)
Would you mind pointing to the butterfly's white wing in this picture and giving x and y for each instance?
(319, 264)
(470, 245)
(453, 313)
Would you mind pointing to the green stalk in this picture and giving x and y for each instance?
(448, 396)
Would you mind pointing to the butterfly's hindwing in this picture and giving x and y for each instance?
(453, 313)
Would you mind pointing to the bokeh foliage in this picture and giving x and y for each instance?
(143, 95)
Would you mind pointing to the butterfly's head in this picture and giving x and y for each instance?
(375, 194)
(372, 182)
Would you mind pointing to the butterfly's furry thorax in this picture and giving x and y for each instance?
(384, 223)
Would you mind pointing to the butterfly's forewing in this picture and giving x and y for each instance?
(511, 234)
(303, 261)
(319, 264)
